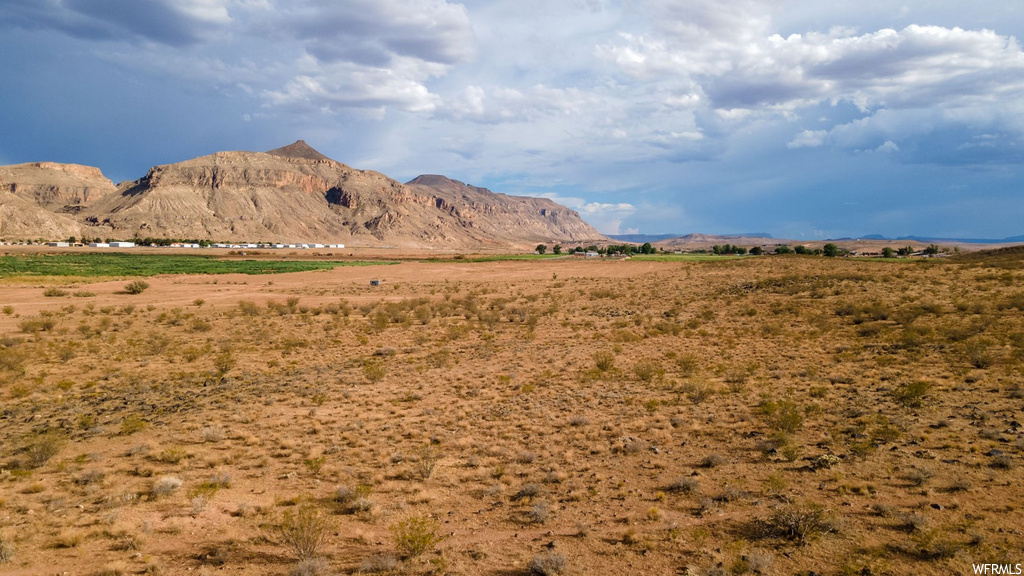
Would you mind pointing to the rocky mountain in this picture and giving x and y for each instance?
(486, 214)
(294, 194)
(40, 199)
(64, 188)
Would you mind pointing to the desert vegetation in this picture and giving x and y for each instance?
(770, 415)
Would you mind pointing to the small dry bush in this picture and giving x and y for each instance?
(311, 567)
(136, 287)
(40, 449)
(798, 523)
(166, 486)
(685, 485)
(305, 530)
(604, 360)
(648, 370)
(548, 564)
(6, 549)
(384, 563)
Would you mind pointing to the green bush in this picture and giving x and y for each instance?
(415, 536)
(782, 415)
(911, 394)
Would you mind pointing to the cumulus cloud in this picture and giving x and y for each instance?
(501, 104)
(607, 217)
(162, 21)
(808, 139)
(372, 32)
(322, 55)
(739, 68)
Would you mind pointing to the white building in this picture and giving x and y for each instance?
(122, 244)
(98, 245)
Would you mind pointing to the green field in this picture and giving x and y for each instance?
(120, 264)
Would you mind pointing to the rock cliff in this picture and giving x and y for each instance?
(296, 194)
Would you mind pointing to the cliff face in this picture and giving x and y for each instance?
(23, 219)
(502, 216)
(296, 194)
(66, 188)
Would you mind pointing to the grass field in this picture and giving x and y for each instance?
(119, 264)
(736, 416)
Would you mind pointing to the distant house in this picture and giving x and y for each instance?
(591, 254)
(59, 244)
(98, 245)
(122, 244)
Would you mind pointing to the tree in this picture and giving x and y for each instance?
(888, 252)
(647, 248)
(830, 250)
(801, 249)
(756, 251)
(905, 251)
(557, 249)
(783, 249)
(932, 249)
(541, 248)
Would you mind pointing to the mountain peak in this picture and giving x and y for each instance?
(434, 180)
(298, 149)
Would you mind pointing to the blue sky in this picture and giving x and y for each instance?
(804, 119)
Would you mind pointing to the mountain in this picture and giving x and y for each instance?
(932, 240)
(24, 219)
(683, 238)
(40, 199)
(65, 188)
(486, 214)
(292, 193)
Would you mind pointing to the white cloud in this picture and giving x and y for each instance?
(498, 104)
(888, 146)
(808, 139)
(607, 217)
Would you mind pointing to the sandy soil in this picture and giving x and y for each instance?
(771, 415)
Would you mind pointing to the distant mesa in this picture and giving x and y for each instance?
(289, 194)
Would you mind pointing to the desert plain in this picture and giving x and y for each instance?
(757, 415)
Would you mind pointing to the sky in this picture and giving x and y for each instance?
(804, 119)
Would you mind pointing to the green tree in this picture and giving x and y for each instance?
(905, 251)
(557, 249)
(541, 248)
(783, 249)
(647, 248)
(932, 249)
(888, 252)
(831, 250)
(756, 251)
